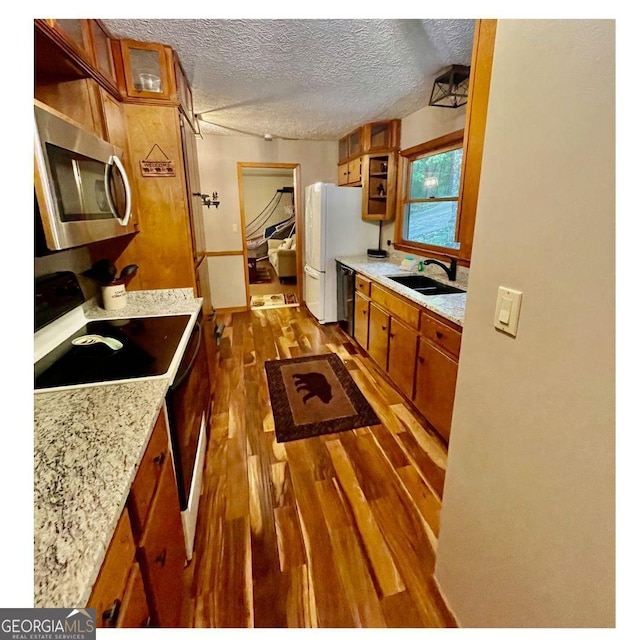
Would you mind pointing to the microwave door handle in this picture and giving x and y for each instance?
(114, 160)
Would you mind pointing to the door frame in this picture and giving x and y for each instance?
(295, 167)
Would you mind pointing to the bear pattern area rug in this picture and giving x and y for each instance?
(274, 300)
(313, 396)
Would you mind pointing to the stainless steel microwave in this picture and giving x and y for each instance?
(82, 189)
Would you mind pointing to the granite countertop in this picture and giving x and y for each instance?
(88, 444)
(450, 306)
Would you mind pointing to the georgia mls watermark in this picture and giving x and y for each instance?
(48, 624)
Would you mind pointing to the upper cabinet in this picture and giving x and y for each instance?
(381, 136)
(76, 32)
(184, 94)
(102, 52)
(146, 70)
(353, 161)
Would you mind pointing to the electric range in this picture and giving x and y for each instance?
(143, 347)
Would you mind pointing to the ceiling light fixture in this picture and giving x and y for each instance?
(268, 137)
(451, 88)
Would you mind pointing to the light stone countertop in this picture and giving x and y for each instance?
(88, 444)
(450, 306)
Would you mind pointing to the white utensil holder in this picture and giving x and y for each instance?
(114, 297)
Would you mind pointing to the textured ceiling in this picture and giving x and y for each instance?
(306, 79)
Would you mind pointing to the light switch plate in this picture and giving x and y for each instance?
(507, 310)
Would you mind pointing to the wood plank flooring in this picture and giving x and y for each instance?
(333, 531)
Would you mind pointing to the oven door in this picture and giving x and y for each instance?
(189, 409)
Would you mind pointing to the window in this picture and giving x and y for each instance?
(431, 191)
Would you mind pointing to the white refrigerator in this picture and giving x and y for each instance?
(333, 227)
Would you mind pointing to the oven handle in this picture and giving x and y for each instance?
(182, 378)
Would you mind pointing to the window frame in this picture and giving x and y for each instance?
(448, 142)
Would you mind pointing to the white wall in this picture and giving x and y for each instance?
(218, 157)
(527, 532)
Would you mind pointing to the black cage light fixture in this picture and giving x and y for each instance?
(451, 88)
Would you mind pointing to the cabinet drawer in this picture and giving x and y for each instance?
(144, 486)
(363, 285)
(396, 305)
(110, 586)
(441, 334)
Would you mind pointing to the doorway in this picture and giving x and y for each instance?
(270, 211)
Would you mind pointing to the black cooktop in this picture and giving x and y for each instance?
(148, 346)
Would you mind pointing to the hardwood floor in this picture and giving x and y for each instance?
(334, 531)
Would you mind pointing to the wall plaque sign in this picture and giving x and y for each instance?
(157, 166)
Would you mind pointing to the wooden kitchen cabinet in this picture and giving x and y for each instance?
(76, 32)
(185, 95)
(379, 177)
(156, 457)
(145, 70)
(403, 349)
(381, 136)
(112, 582)
(378, 335)
(102, 51)
(140, 581)
(436, 376)
(134, 612)
(416, 348)
(162, 552)
(361, 320)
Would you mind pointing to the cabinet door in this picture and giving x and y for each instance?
(102, 53)
(379, 187)
(148, 72)
(134, 612)
(355, 170)
(381, 136)
(343, 174)
(355, 143)
(343, 150)
(77, 33)
(361, 320)
(436, 375)
(184, 93)
(110, 585)
(403, 349)
(378, 335)
(163, 553)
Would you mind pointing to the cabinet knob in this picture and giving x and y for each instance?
(110, 615)
(421, 359)
(159, 459)
(438, 334)
(392, 335)
(384, 328)
(162, 558)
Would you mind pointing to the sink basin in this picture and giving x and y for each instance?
(425, 286)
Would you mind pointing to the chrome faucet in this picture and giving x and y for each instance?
(450, 270)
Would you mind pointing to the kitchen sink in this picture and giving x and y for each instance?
(425, 286)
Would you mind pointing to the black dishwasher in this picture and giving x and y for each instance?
(346, 297)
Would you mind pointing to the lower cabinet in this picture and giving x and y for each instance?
(361, 320)
(403, 347)
(378, 335)
(140, 581)
(436, 375)
(418, 351)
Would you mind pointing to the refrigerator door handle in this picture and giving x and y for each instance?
(312, 273)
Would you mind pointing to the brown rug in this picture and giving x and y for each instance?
(263, 276)
(313, 396)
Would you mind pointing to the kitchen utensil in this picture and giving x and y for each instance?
(92, 338)
(127, 273)
(103, 271)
